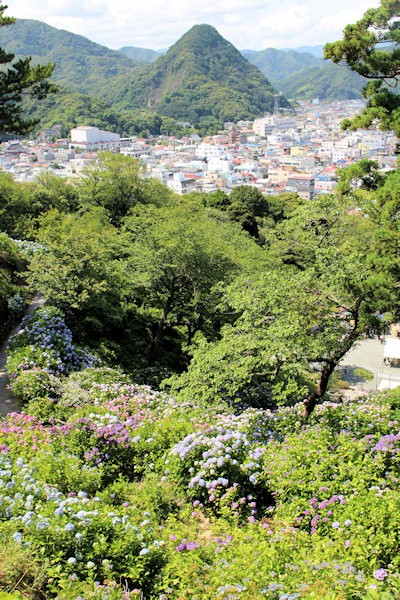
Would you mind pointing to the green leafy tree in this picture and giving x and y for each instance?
(12, 281)
(21, 204)
(362, 175)
(371, 48)
(19, 78)
(246, 204)
(383, 210)
(82, 268)
(295, 322)
(113, 182)
(180, 257)
(14, 207)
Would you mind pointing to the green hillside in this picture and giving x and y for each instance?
(301, 75)
(70, 109)
(81, 65)
(201, 75)
(278, 64)
(142, 55)
(329, 82)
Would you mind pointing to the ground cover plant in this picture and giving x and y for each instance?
(118, 491)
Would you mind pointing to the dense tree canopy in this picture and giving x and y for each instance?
(296, 321)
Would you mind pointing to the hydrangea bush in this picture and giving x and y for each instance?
(123, 493)
(45, 341)
(82, 537)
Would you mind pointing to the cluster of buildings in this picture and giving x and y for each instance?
(277, 153)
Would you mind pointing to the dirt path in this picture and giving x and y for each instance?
(8, 402)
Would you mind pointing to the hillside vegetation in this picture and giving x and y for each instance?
(201, 75)
(303, 76)
(250, 460)
(80, 64)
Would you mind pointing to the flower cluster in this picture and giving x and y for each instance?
(221, 461)
(67, 528)
(44, 340)
(28, 247)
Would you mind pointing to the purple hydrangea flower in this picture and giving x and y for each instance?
(380, 574)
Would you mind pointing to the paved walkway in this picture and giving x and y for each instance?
(8, 402)
(368, 354)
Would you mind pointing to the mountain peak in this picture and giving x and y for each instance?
(202, 75)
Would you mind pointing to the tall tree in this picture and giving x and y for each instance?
(371, 47)
(179, 257)
(115, 182)
(19, 78)
(295, 322)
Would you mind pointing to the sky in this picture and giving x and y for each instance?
(157, 24)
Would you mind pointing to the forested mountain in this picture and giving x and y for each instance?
(278, 64)
(327, 82)
(143, 55)
(202, 79)
(317, 51)
(80, 65)
(298, 73)
(201, 75)
(301, 75)
(70, 109)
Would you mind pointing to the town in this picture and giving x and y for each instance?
(298, 151)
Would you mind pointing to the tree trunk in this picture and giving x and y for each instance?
(311, 401)
(157, 339)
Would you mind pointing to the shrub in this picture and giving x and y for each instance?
(36, 383)
(78, 537)
(45, 341)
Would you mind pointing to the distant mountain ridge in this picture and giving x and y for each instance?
(81, 65)
(202, 75)
(299, 73)
(202, 79)
(142, 55)
(317, 51)
(280, 64)
(303, 76)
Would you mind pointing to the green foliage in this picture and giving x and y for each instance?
(364, 175)
(22, 576)
(18, 78)
(12, 289)
(180, 257)
(278, 64)
(363, 374)
(82, 268)
(70, 109)
(370, 47)
(80, 64)
(21, 205)
(328, 82)
(34, 384)
(143, 55)
(115, 182)
(247, 203)
(292, 324)
(201, 75)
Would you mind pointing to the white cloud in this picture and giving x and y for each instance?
(159, 23)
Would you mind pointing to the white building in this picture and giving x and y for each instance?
(266, 125)
(91, 138)
(182, 185)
